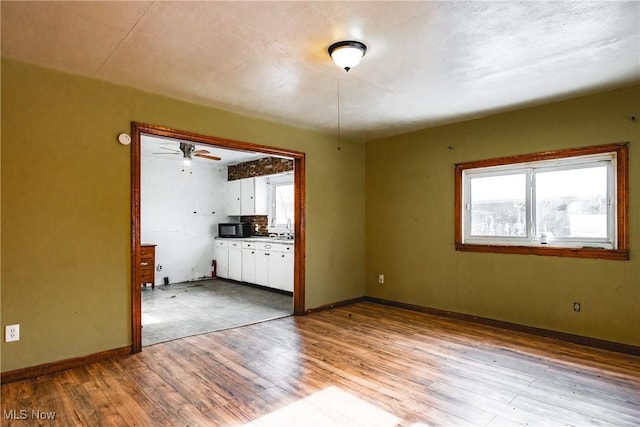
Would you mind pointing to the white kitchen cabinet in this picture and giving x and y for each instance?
(248, 196)
(221, 255)
(262, 267)
(263, 263)
(274, 265)
(248, 262)
(281, 271)
(235, 260)
(261, 193)
(234, 198)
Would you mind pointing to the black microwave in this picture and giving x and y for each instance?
(234, 229)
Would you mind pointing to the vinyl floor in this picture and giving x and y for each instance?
(362, 365)
(191, 308)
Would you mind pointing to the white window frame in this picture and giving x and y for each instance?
(274, 182)
(530, 170)
(616, 244)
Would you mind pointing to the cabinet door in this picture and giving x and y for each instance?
(281, 271)
(287, 271)
(261, 198)
(233, 198)
(235, 264)
(249, 265)
(222, 262)
(247, 196)
(262, 267)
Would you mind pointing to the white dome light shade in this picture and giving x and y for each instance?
(347, 54)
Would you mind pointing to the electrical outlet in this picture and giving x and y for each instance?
(576, 307)
(12, 333)
(380, 278)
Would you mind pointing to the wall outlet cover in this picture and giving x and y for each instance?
(12, 333)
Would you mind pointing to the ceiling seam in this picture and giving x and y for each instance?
(99, 71)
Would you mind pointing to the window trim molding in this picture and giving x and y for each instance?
(284, 178)
(622, 219)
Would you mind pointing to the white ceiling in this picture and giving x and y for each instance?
(169, 149)
(428, 63)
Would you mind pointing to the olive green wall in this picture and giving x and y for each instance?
(410, 224)
(66, 208)
(65, 195)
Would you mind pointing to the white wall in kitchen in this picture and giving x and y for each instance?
(179, 211)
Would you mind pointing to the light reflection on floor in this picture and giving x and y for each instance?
(148, 319)
(329, 407)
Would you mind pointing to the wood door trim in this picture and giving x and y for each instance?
(137, 129)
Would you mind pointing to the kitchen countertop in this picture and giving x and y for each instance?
(259, 239)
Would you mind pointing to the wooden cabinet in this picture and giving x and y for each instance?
(147, 265)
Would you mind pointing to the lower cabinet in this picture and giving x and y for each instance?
(148, 265)
(281, 271)
(262, 267)
(262, 263)
(235, 264)
(274, 266)
(248, 262)
(228, 256)
(235, 260)
(221, 255)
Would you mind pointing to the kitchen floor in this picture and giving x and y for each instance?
(191, 308)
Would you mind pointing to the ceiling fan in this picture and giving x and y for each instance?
(188, 150)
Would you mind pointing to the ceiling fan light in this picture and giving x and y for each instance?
(347, 54)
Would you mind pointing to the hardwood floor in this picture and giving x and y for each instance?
(359, 365)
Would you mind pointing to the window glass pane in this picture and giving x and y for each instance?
(498, 205)
(284, 204)
(572, 203)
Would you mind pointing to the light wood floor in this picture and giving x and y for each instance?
(360, 365)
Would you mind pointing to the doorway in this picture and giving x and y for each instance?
(138, 130)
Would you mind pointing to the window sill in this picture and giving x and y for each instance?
(594, 253)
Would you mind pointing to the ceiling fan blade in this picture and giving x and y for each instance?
(204, 156)
(200, 151)
(170, 149)
(173, 154)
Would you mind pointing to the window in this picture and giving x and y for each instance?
(563, 203)
(281, 204)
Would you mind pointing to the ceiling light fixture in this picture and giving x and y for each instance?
(187, 149)
(347, 54)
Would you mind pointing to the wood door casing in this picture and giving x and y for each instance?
(137, 130)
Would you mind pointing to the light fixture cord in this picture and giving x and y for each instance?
(339, 133)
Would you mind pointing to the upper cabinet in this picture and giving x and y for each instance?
(234, 198)
(261, 195)
(247, 196)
